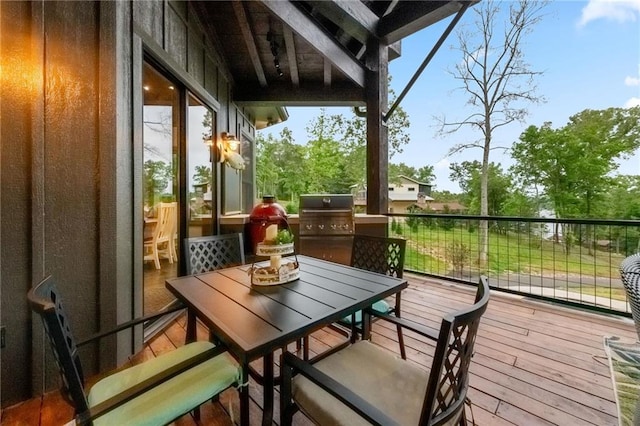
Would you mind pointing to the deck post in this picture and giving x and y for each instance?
(377, 133)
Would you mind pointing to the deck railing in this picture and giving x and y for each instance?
(572, 261)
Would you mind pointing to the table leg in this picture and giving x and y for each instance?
(267, 390)
(366, 325)
(244, 395)
(191, 326)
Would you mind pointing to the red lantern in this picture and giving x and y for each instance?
(264, 214)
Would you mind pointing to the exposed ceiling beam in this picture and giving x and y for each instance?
(409, 17)
(326, 45)
(290, 47)
(243, 22)
(327, 73)
(279, 94)
(354, 18)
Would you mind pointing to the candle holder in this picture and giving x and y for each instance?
(280, 270)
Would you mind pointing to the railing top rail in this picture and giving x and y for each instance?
(521, 219)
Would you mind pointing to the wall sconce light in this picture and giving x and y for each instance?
(225, 149)
(230, 141)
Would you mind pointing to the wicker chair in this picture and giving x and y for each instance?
(630, 274)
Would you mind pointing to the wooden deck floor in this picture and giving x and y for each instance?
(535, 363)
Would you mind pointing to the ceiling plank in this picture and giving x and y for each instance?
(409, 17)
(243, 22)
(308, 29)
(290, 46)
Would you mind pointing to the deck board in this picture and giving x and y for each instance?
(536, 363)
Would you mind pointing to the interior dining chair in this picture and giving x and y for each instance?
(367, 384)
(162, 243)
(383, 255)
(155, 392)
(203, 254)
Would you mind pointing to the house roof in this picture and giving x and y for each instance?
(414, 180)
(319, 47)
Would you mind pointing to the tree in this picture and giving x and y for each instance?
(202, 175)
(325, 154)
(157, 175)
(498, 80)
(468, 175)
(573, 164)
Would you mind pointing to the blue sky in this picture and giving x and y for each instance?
(589, 52)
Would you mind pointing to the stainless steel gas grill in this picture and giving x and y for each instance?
(327, 226)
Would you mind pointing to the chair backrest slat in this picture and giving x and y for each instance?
(46, 302)
(205, 254)
(449, 376)
(378, 254)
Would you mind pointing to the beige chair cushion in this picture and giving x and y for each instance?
(394, 386)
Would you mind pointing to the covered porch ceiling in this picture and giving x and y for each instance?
(309, 53)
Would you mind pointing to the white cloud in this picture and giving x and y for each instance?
(442, 164)
(632, 81)
(615, 10)
(632, 102)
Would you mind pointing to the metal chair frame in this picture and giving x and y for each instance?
(204, 254)
(384, 255)
(446, 392)
(46, 301)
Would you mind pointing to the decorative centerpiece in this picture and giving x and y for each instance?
(276, 243)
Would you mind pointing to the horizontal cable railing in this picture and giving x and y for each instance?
(572, 261)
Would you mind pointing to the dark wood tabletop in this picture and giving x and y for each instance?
(253, 321)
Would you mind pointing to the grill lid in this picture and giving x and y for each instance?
(326, 202)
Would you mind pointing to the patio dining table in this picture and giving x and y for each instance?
(254, 321)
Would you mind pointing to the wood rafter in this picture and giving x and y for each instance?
(291, 55)
(407, 17)
(308, 29)
(279, 93)
(327, 73)
(355, 19)
(247, 33)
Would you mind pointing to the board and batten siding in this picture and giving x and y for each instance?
(70, 166)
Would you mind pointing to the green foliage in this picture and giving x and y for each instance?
(157, 175)
(468, 174)
(202, 175)
(572, 165)
(458, 255)
(292, 207)
(284, 236)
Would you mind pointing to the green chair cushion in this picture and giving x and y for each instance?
(380, 306)
(171, 399)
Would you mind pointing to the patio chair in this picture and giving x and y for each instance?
(385, 256)
(213, 252)
(630, 274)
(162, 243)
(155, 392)
(367, 384)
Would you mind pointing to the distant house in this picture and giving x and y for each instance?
(403, 193)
